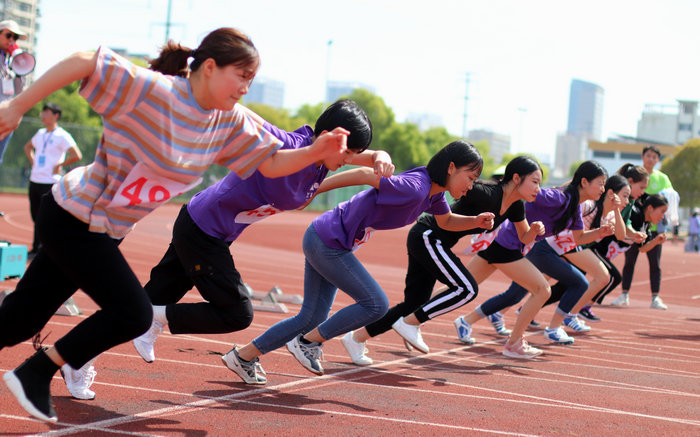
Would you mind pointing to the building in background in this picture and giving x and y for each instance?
(267, 91)
(623, 149)
(336, 90)
(425, 121)
(669, 124)
(585, 123)
(26, 14)
(499, 144)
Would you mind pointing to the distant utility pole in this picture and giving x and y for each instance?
(328, 65)
(466, 99)
(168, 21)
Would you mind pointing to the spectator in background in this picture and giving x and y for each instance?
(10, 83)
(693, 243)
(47, 152)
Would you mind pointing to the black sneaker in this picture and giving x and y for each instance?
(31, 386)
(534, 324)
(587, 314)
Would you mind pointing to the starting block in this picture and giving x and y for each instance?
(13, 260)
(69, 307)
(272, 301)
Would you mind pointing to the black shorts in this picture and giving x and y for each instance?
(497, 254)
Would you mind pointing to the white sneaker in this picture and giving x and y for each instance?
(145, 343)
(521, 349)
(658, 304)
(251, 372)
(558, 335)
(79, 381)
(622, 301)
(411, 333)
(356, 350)
(308, 355)
(407, 345)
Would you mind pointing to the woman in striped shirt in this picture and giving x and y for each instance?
(163, 128)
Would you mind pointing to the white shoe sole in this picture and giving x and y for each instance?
(15, 386)
(245, 378)
(364, 360)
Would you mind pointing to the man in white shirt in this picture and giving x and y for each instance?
(47, 152)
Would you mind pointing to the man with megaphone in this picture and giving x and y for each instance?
(15, 64)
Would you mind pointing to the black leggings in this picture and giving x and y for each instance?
(36, 191)
(195, 258)
(428, 261)
(654, 257)
(72, 257)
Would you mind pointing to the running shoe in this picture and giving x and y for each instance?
(357, 350)
(32, 388)
(251, 372)
(145, 343)
(658, 304)
(79, 381)
(575, 324)
(622, 301)
(499, 324)
(308, 355)
(464, 331)
(411, 333)
(588, 315)
(558, 335)
(521, 349)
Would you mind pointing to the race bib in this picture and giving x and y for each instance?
(257, 214)
(525, 250)
(562, 242)
(145, 187)
(614, 249)
(480, 242)
(363, 240)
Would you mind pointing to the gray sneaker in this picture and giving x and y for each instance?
(251, 372)
(309, 355)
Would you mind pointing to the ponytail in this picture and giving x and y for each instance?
(636, 173)
(226, 46)
(588, 170)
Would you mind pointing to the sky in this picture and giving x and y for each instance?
(520, 56)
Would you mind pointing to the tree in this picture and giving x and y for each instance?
(573, 167)
(379, 113)
(405, 144)
(683, 169)
(308, 113)
(436, 138)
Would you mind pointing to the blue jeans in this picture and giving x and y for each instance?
(325, 271)
(548, 262)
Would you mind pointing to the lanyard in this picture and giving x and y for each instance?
(46, 141)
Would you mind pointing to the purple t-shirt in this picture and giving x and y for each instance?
(547, 208)
(226, 208)
(399, 201)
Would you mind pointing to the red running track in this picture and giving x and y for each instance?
(636, 373)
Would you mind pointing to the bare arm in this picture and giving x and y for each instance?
(458, 222)
(356, 176)
(73, 156)
(29, 151)
(75, 67)
(286, 162)
(659, 239)
(584, 237)
(528, 232)
(379, 160)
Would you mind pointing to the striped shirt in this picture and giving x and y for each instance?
(156, 143)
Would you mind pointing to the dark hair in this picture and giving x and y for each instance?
(635, 172)
(53, 107)
(522, 165)
(655, 201)
(461, 153)
(588, 170)
(226, 46)
(652, 148)
(347, 114)
(615, 183)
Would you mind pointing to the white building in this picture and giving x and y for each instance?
(25, 13)
(613, 154)
(336, 90)
(669, 124)
(267, 91)
(569, 149)
(499, 144)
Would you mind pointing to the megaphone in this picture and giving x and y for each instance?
(21, 62)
